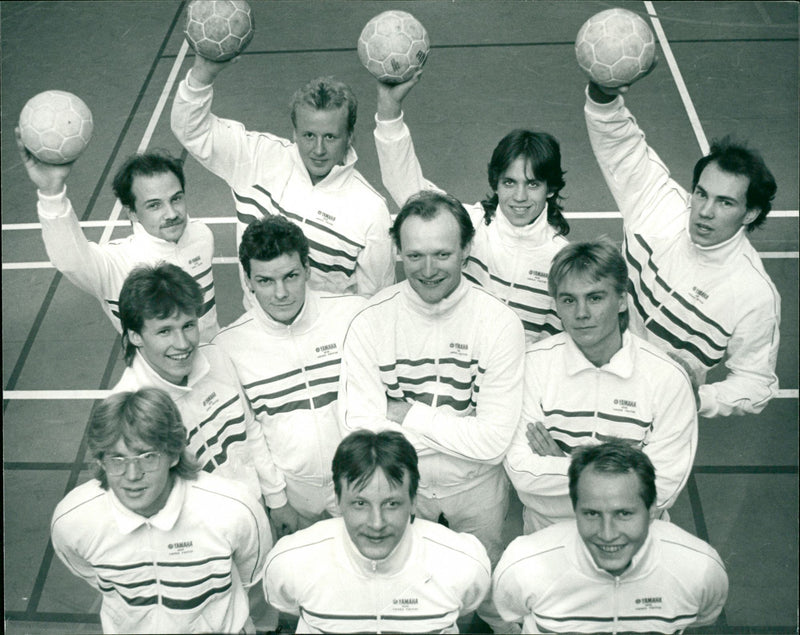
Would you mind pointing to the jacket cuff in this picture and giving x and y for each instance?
(54, 206)
(276, 500)
(390, 129)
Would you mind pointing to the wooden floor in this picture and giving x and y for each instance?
(495, 65)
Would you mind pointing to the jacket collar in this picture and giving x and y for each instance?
(165, 519)
(621, 363)
(531, 236)
(440, 309)
(391, 564)
(719, 254)
(146, 375)
(642, 563)
(302, 322)
(336, 178)
(159, 243)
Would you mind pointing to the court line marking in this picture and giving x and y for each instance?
(148, 133)
(678, 78)
(231, 220)
(40, 395)
(233, 260)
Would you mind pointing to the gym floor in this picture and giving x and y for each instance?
(495, 65)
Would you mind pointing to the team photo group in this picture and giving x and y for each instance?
(342, 457)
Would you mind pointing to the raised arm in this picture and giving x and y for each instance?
(85, 264)
(222, 146)
(401, 172)
(637, 178)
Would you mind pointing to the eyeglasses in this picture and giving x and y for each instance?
(117, 465)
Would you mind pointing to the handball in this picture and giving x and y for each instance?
(55, 126)
(219, 29)
(615, 47)
(393, 46)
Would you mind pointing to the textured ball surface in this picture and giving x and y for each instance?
(615, 47)
(219, 29)
(393, 46)
(56, 126)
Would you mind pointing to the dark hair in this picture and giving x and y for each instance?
(326, 93)
(596, 259)
(148, 416)
(736, 158)
(155, 292)
(269, 238)
(427, 205)
(543, 153)
(613, 457)
(148, 164)
(363, 451)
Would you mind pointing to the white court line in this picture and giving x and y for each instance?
(231, 220)
(676, 75)
(148, 133)
(55, 395)
(233, 260)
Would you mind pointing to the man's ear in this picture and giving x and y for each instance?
(655, 512)
(134, 338)
(751, 215)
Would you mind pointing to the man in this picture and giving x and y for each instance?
(518, 229)
(170, 550)
(698, 288)
(377, 568)
(440, 360)
(287, 351)
(151, 189)
(311, 180)
(595, 381)
(159, 308)
(612, 569)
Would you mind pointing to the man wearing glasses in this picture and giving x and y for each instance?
(141, 532)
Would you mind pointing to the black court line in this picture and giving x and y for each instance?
(488, 45)
(701, 530)
(77, 468)
(67, 618)
(48, 299)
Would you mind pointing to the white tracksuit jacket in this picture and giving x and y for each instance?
(706, 304)
(290, 375)
(640, 395)
(100, 270)
(183, 570)
(224, 436)
(513, 263)
(549, 580)
(460, 362)
(345, 220)
(431, 577)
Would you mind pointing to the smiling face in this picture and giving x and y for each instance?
(719, 206)
(160, 206)
(144, 493)
(377, 515)
(279, 286)
(322, 139)
(432, 255)
(169, 344)
(589, 310)
(612, 518)
(520, 195)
